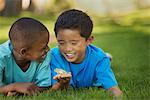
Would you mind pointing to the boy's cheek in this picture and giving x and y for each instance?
(61, 50)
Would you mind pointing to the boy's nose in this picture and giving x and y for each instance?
(68, 49)
(47, 49)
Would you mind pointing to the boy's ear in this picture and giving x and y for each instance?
(23, 51)
(90, 39)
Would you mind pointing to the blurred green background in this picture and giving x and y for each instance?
(121, 27)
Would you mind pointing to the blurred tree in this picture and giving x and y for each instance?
(2, 4)
(12, 8)
(58, 6)
(142, 4)
(31, 6)
(39, 6)
(116, 11)
(26, 4)
(109, 12)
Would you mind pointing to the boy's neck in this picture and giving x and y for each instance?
(22, 63)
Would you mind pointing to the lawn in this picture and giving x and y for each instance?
(130, 48)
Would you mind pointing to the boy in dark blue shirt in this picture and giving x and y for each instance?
(89, 65)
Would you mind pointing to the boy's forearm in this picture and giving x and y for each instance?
(56, 86)
(7, 88)
(59, 86)
(43, 89)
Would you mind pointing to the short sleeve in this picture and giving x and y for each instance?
(43, 78)
(43, 74)
(53, 64)
(104, 74)
(1, 73)
(57, 61)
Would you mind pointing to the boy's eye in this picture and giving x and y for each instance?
(61, 43)
(45, 48)
(74, 43)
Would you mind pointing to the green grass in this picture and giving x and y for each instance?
(130, 48)
(71, 94)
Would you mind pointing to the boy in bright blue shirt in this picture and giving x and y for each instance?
(88, 64)
(25, 58)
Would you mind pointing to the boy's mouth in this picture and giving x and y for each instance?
(43, 56)
(70, 55)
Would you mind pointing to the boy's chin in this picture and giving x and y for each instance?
(39, 60)
(75, 61)
(70, 60)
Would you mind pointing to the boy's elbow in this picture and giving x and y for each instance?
(116, 91)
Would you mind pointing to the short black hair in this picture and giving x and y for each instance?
(26, 30)
(74, 19)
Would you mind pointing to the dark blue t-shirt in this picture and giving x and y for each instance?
(94, 70)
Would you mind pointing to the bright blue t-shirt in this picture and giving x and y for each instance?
(94, 70)
(10, 72)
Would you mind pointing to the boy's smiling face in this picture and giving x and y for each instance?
(71, 45)
(36, 52)
(39, 49)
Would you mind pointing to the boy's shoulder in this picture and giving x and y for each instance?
(96, 51)
(55, 51)
(47, 59)
(5, 50)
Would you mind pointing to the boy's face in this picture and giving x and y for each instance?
(72, 46)
(39, 49)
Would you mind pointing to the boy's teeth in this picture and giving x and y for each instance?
(70, 55)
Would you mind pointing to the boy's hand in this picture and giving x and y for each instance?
(62, 77)
(26, 88)
(12, 93)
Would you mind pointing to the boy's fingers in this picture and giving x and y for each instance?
(62, 78)
(11, 93)
(66, 78)
(57, 77)
(31, 92)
